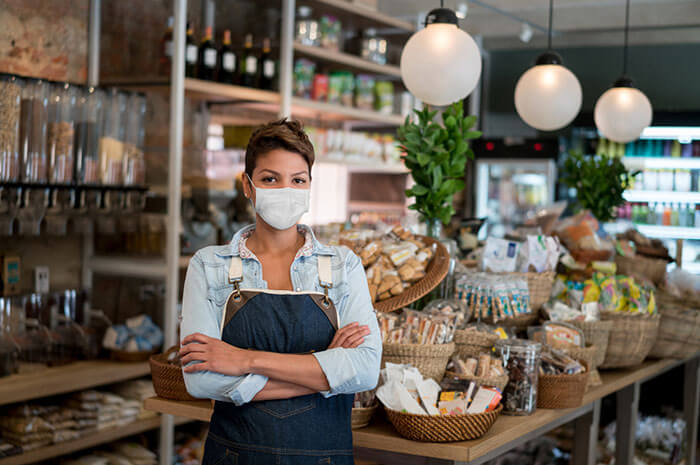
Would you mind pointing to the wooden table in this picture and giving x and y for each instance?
(379, 441)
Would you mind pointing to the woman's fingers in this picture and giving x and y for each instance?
(196, 337)
(356, 339)
(352, 334)
(193, 357)
(192, 348)
(204, 366)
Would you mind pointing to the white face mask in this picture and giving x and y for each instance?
(281, 208)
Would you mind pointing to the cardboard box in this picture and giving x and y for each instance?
(10, 273)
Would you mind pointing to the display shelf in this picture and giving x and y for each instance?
(662, 196)
(357, 16)
(314, 109)
(674, 163)
(654, 231)
(105, 436)
(194, 409)
(359, 206)
(366, 166)
(345, 60)
(68, 378)
(135, 267)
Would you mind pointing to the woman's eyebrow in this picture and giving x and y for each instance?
(300, 172)
(270, 171)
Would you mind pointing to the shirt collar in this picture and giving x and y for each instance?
(312, 246)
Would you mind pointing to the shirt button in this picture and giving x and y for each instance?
(298, 289)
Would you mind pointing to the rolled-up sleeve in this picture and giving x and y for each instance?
(201, 315)
(354, 370)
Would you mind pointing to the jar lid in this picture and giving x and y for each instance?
(519, 345)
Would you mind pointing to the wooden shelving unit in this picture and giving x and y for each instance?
(346, 61)
(91, 440)
(358, 16)
(68, 378)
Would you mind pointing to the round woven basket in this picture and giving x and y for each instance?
(679, 328)
(125, 356)
(430, 359)
(495, 381)
(442, 428)
(362, 416)
(586, 354)
(474, 343)
(653, 269)
(168, 381)
(435, 272)
(597, 334)
(562, 391)
(632, 337)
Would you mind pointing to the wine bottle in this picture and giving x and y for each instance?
(190, 54)
(249, 63)
(166, 50)
(227, 68)
(268, 68)
(207, 57)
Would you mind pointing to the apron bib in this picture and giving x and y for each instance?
(304, 430)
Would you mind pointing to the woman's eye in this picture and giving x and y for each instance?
(269, 179)
(299, 181)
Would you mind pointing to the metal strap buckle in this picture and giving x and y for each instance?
(326, 299)
(236, 289)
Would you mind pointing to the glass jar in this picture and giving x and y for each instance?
(10, 93)
(88, 117)
(521, 359)
(134, 161)
(60, 133)
(32, 130)
(306, 30)
(373, 48)
(111, 146)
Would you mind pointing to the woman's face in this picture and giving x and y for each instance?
(278, 169)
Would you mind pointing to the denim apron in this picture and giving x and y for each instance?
(305, 430)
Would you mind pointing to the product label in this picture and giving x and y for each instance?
(229, 62)
(191, 54)
(210, 58)
(169, 48)
(269, 68)
(251, 65)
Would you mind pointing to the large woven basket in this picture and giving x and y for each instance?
(495, 381)
(586, 354)
(597, 334)
(362, 416)
(435, 272)
(632, 337)
(474, 343)
(442, 428)
(561, 391)
(679, 329)
(168, 381)
(430, 359)
(653, 269)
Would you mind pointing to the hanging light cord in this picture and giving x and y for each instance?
(549, 34)
(627, 27)
(442, 3)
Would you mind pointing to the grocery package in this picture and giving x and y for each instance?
(556, 362)
(491, 296)
(619, 294)
(484, 366)
(365, 399)
(364, 91)
(405, 390)
(657, 440)
(303, 77)
(413, 327)
(500, 255)
(139, 334)
(384, 97)
(331, 32)
(393, 262)
(557, 334)
(341, 88)
(538, 254)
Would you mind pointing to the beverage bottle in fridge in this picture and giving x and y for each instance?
(636, 209)
(660, 214)
(249, 63)
(683, 215)
(666, 215)
(190, 54)
(227, 61)
(166, 50)
(696, 220)
(643, 214)
(207, 57)
(651, 215)
(675, 213)
(268, 67)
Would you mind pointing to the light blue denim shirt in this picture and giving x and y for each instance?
(207, 289)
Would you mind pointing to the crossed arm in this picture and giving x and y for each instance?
(289, 375)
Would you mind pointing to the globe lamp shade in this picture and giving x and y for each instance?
(622, 113)
(441, 63)
(548, 96)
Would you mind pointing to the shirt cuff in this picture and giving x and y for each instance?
(340, 376)
(247, 389)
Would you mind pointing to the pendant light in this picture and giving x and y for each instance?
(441, 63)
(622, 112)
(548, 96)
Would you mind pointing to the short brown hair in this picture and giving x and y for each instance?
(281, 134)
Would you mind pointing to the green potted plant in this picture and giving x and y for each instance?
(599, 181)
(436, 155)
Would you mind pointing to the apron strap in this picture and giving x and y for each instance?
(235, 276)
(325, 277)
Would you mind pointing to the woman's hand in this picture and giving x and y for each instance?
(213, 355)
(349, 336)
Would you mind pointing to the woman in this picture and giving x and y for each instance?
(261, 319)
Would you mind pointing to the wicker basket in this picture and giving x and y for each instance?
(562, 391)
(125, 356)
(587, 354)
(434, 274)
(597, 334)
(631, 338)
(474, 343)
(442, 428)
(652, 269)
(168, 381)
(588, 256)
(679, 329)
(430, 359)
(495, 381)
(362, 416)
